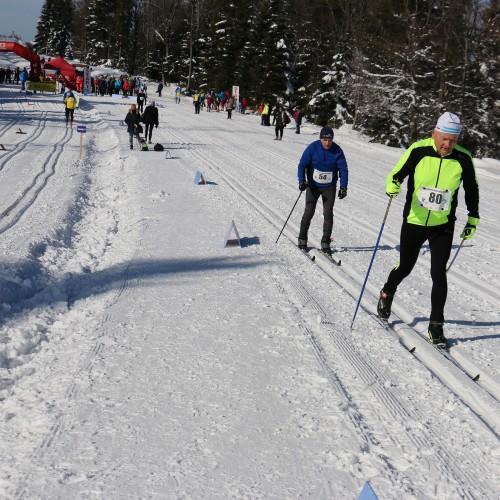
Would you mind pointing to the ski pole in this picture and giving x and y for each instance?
(371, 262)
(455, 256)
(300, 194)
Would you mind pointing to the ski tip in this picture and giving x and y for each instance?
(313, 258)
(476, 378)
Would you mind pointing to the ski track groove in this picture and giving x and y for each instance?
(46, 453)
(372, 378)
(62, 420)
(273, 216)
(21, 145)
(262, 207)
(370, 375)
(9, 124)
(31, 192)
(474, 284)
(485, 381)
(359, 423)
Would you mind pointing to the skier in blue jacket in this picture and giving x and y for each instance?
(320, 166)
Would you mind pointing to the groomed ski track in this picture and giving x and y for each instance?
(345, 366)
(483, 400)
(481, 396)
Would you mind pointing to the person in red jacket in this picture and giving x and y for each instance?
(244, 104)
(79, 83)
(297, 116)
(125, 87)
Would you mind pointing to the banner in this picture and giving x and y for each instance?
(87, 85)
(41, 86)
(236, 94)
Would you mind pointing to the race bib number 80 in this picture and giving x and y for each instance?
(322, 177)
(434, 199)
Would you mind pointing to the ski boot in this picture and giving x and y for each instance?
(325, 246)
(436, 334)
(384, 305)
(302, 244)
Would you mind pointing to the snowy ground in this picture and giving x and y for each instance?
(140, 358)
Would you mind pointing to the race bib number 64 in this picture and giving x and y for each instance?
(434, 199)
(323, 177)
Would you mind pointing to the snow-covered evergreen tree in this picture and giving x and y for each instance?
(224, 59)
(97, 33)
(331, 104)
(481, 97)
(42, 35)
(55, 27)
(271, 65)
(217, 54)
(388, 67)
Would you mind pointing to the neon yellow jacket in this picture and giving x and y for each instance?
(428, 171)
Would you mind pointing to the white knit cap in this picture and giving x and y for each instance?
(449, 123)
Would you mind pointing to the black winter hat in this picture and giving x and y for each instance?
(326, 133)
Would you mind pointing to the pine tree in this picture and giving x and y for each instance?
(480, 101)
(332, 103)
(63, 26)
(388, 67)
(108, 33)
(121, 28)
(225, 56)
(217, 51)
(319, 65)
(271, 66)
(43, 28)
(55, 27)
(398, 90)
(97, 33)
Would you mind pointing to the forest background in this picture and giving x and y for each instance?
(389, 68)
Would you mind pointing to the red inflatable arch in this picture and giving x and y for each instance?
(25, 53)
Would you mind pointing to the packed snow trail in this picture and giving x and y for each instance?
(143, 359)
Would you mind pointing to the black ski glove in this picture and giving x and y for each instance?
(303, 185)
(342, 193)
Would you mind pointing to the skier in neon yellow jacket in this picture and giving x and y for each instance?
(435, 169)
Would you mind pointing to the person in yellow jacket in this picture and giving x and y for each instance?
(70, 103)
(265, 115)
(435, 168)
(196, 103)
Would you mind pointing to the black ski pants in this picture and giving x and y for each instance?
(69, 115)
(148, 132)
(312, 195)
(440, 241)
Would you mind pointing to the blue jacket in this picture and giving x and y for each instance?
(329, 164)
